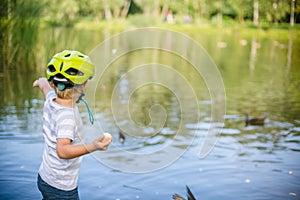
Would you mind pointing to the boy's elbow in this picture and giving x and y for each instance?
(61, 154)
(63, 148)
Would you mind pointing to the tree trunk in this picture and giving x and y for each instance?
(164, 11)
(107, 13)
(220, 17)
(241, 18)
(255, 13)
(126, 9)
(156, 9)
(116, 12)
(292, 20)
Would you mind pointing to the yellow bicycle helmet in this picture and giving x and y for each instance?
(69, 68)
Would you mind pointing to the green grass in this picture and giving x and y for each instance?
(276, 31)
(138, 21)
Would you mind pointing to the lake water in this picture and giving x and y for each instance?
(166, 109)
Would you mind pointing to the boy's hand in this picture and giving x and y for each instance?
(40, 82)
(43, 84)
(35, 83)
(103, 141)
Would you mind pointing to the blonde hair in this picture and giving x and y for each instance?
(71, 93)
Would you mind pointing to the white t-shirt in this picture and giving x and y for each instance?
(60, 122)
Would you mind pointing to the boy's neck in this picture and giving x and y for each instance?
(65, 102)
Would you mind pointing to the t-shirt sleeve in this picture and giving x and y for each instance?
(66, 129)
(51, 95)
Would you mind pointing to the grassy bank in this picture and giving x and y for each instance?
(278, 31)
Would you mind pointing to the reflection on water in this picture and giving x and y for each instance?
(261, 77)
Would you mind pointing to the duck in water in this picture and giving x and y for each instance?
(190, 195)
(121, 137)
(254, 121)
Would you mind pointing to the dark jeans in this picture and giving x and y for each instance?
(52, 193)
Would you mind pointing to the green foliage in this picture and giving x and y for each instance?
(135, 8)
(67, 13)
(21, 16)
(61, 13)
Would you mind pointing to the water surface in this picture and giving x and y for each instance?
(261, 76)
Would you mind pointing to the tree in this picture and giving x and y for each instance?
(292, 18)
(20, 16)
(62, 12)
(241, 7)
(255, 12)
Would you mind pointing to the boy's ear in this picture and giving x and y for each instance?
(84, 85)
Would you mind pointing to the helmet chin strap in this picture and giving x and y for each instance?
(91, 117)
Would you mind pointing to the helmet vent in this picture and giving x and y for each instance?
(81, 56)
(51, 68)
(68, 55)
(61, 66)
(74, 72)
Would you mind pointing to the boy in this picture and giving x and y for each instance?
(67, 76)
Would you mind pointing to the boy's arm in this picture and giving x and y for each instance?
(66, 150)
(43, 84)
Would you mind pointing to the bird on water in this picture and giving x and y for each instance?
(189, 194)
(121, 137)
(254, 121)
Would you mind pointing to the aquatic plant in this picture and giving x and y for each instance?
(19, 24)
